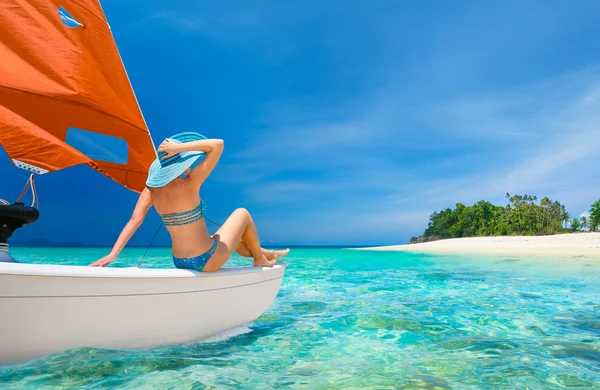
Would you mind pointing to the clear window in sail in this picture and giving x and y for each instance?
(98, 146)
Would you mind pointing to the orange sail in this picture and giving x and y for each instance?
(64, 91)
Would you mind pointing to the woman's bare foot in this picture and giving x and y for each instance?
(270, 257)
(275, 255)
(263, 262)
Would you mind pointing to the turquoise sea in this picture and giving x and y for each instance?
(376, 320)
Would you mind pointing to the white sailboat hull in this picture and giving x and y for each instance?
(51, 308)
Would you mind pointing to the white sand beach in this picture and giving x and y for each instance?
(575, 244)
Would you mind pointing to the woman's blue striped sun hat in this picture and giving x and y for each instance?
(163, 171)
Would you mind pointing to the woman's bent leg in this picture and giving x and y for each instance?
(239, 226)
(243, 250)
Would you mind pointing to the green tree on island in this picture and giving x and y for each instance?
(521, 216)
(566, 217)
(595, 216)
(584, 222)
(575, 224)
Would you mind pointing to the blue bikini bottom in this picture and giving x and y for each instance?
(196, 263)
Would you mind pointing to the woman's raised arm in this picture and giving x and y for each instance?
(212, 147)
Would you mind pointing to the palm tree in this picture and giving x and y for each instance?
(518, 206)
(584, 222)
(545, 206)
(575, 225)
(565, 216)
(595, 215)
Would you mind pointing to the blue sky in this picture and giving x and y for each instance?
(349, 122)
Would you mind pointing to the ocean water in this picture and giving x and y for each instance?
(377, 320)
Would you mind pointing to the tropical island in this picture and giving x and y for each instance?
(523, 226)
(522, 216)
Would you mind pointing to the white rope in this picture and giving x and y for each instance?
(30, 184)
(35, 200)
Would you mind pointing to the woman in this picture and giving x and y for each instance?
(178, 203)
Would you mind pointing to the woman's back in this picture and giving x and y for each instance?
(177, 196)
(182, 211)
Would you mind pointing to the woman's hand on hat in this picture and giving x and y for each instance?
(169, 147)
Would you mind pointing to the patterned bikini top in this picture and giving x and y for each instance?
(185, 217)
